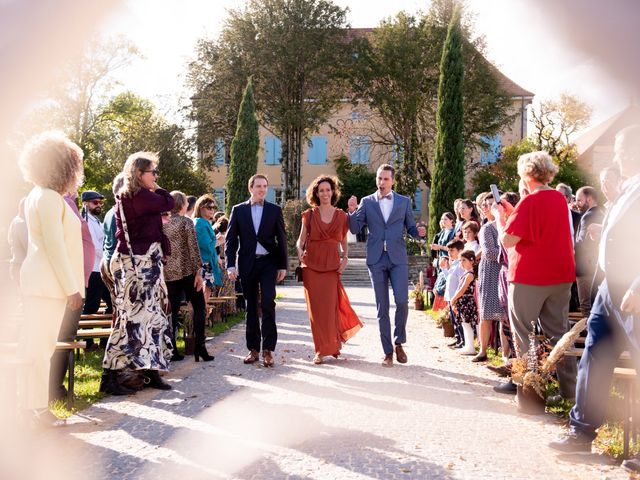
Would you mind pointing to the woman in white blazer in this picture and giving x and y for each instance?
(52, 275)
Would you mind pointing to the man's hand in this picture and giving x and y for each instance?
(352, 203)
(630, 302)
(281, 274)
(74, 302)
(422, 231)
(233, 275)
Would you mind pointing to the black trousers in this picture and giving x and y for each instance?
(177, 289)
(60, 360)
(262, 278)
(95, 292)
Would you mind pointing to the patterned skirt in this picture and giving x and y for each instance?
(141, 336)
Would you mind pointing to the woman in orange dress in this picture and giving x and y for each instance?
(323, 233)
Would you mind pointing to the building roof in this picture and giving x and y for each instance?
(508, 85)
(604, 133)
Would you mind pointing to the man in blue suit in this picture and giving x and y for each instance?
(613, 323)
(256, 251)
(387, 215)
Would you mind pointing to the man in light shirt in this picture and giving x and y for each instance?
(612, 325)
(92, 203)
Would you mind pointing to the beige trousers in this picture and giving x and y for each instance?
(550, 305)
(38, 336)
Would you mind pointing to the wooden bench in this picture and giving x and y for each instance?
(83, 324)
(96, 316)
(71, 347)
(628, 377)
(93, 332)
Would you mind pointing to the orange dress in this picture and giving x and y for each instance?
(333, 321)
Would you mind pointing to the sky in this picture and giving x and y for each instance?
(519, 39)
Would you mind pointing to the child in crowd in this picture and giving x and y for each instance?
(470, 231)
(463, 303)
(441, 281)
(455, 272)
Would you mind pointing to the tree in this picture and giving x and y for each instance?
(295, 50)
(396, 72)
(356, 179)
(128, 124)
(448, 174)
(244, 150)
(556, 120)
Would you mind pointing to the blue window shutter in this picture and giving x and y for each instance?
(364, 150)
(417, 200)
(317, 152)
(268, 150)
(492, 152)
(219, 193)
(219, 152)
(359, 149)
(277, 149)
(272, 150)
(271, 195)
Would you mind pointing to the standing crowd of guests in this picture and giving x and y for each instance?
(143, 268)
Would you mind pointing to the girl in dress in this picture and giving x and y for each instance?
(464, 301)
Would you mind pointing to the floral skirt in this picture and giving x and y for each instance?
(141, 336)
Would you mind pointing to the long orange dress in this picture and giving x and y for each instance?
(333, 321)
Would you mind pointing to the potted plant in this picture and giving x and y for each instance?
(417, 294)
(443, 320)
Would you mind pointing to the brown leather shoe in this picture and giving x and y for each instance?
(387, 361)
(400, 355)
(252, 357)
(267, 358)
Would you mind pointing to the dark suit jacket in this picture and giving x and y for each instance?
(241, 239)
(575, 220)
(587, 249)
(622, 264)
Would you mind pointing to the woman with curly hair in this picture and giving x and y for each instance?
(322, 236)
(52, 274)
(141, 336)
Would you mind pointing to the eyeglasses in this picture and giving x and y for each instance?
(208, 207)
(154, 172)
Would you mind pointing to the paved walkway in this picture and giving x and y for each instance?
(434, 418)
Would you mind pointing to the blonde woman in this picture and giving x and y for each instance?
(52, 274)
(141, 337)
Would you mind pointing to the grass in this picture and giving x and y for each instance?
(88, 371)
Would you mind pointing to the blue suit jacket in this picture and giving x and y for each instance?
(401, 218)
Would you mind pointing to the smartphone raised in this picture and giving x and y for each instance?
(495, 192)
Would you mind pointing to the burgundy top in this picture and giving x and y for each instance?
(144, 222)
(88, 248)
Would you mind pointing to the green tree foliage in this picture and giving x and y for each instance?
(296, 52)
(448, 175)
(292, 214)
(504, 173)
(244, 150)
(355, 179)
(128, 124)
(396, 72)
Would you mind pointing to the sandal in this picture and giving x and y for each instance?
(317, 359)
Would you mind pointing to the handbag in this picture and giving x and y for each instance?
(299, 270)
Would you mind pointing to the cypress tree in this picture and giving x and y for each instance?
(244, 150)
(447, 182)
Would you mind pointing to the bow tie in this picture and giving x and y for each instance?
(260, 202)
(389, 196)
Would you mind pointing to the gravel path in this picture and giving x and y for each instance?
(434, 418)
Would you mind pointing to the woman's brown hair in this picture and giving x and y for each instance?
(312, 191)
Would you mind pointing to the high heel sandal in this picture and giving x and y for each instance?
(317, 359)
(201, 352)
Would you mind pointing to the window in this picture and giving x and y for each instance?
(220, 194)
(417, 200)
(219, 151)
(492, 152)
(397, 154)
(359, 146)
(317, 152)
(272, 150)
(275, 195)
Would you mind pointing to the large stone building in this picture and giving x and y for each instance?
(345, 134)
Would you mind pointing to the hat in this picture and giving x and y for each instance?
(89, 195)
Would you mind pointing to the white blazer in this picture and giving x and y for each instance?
(54, 265)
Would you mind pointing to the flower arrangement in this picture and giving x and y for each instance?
(417, 294)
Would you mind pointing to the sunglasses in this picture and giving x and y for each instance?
(97, 202)
(208, 207)
(154, 172)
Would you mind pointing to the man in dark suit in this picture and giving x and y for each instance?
(613, 323)
(256, 252)
(586, 246)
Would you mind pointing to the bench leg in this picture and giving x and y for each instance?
(71, 379)
(627, 419)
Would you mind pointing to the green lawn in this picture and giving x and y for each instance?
(89, 370)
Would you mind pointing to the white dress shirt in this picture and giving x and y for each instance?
(256, 216)
(386, 204)
(97, 236)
